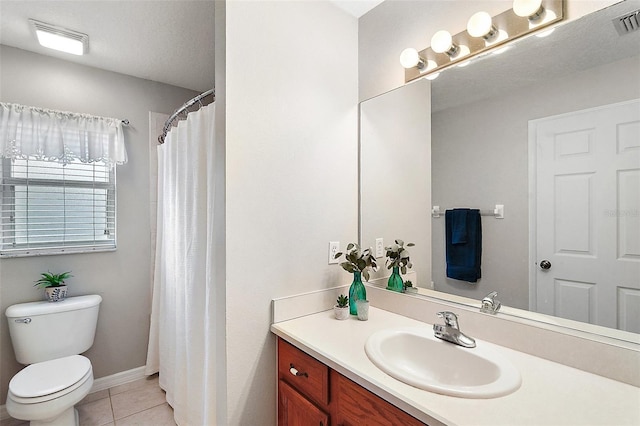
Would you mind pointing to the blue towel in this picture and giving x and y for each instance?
(463, 233)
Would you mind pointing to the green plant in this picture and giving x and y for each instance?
(343, 301)
(358, 260)
(408, 283)
(397, 255)
(52, 280)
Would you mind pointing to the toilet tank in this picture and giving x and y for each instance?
(41, 331)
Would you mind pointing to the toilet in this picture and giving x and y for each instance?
(49, 338)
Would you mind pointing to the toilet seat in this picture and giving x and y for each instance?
(47, 380)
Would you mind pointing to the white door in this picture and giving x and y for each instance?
(588, 215)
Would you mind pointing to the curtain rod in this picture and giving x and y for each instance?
(188, 104)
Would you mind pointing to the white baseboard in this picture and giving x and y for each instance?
(118, 379)
(101, 384)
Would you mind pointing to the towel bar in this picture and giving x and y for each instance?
(497, 212)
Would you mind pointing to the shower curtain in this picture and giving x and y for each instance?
(182, 338)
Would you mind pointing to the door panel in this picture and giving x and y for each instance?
(587, 167)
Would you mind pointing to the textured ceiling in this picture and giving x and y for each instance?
(154, 40)
(587, 42)
(170, 41)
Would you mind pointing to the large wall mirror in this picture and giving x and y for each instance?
(483, 134)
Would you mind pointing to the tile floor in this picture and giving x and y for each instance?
(137, 403)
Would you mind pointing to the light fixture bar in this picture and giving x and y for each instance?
(59, 38)
(508, 23)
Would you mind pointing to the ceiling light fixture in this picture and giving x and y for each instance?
(59, 38)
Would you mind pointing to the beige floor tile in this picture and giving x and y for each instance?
(95, 413)
(95, 396)
(151, 381)
(135, 400)
(13, 422)
(162, 415)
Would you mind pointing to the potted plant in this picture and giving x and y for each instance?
(409, 288)
(398, 260)
(341, 308)
(53, 285)
(358, 262)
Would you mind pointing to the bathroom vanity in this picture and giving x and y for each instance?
(324, 374)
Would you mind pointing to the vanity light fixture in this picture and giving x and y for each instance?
(442, 42)
(530, 9)
(410, 58)
(481, 25)
(59, 38)
(484, 34)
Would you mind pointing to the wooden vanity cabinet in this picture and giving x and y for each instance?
(310, 393)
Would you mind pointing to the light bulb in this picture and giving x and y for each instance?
(481, 25)
(410, 58)
(531, 9)
(442, 42)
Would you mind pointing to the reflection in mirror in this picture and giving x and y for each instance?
(484, 119)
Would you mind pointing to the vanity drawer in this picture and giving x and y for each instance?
(303, 372)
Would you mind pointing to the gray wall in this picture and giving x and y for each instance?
(479, 158)
(120, 277)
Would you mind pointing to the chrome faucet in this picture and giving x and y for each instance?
(450, 331)
(490, 305)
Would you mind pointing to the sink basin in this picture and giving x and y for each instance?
(414, 356)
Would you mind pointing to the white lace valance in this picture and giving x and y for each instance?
(59, 136)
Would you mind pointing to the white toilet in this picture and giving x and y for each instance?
(49, 337)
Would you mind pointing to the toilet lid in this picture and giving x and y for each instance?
(44, 378)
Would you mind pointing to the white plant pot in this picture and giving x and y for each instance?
(56, 294)
(341, 313)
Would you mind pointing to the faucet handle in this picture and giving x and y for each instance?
(450, 319)
(490, 304)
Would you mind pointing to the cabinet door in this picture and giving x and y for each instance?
(296, 410)
(356, 406)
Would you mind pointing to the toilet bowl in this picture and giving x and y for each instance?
(45, 393)
(48, 338)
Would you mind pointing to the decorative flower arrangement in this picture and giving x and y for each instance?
(358, 260)
(398, 256)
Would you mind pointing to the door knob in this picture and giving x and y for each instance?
(545, 264)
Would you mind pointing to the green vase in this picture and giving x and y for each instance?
(356, 292)
(395, 282)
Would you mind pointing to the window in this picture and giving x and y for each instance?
(57, 180)
(49, 207)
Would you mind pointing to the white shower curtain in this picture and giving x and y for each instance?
(182, 338)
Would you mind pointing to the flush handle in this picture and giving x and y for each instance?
(24, 320)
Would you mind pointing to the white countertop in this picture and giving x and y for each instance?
(551, 393)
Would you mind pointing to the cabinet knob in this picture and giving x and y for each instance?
(295, 372)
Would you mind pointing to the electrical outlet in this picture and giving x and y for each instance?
(379, 247)
(334, 247)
